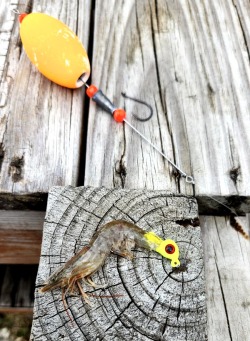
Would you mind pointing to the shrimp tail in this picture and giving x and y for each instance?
(59, 278)
(51, 286)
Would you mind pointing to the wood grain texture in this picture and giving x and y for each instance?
(20, 236)
(157, 302)
(20, 247)
(21, 220)
(40, 123)
(190, 61)
(227, 264)
(7, 21)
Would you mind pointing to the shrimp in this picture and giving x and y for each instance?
(117, 236)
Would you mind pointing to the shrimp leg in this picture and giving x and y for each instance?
(84, 295)
(89, 281)
(126, 254)
(65, 303)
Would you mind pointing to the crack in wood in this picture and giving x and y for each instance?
(121, 169)
(234, 173)
(187, 222)
(224, 301)
(86, 106)
(118, 318)
(163, 104)
(211, 96)
(1, 155)
(244, 34)
(29, 6)
(179, 309)
(158, 287)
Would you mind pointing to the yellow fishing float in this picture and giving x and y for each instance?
(54, 49)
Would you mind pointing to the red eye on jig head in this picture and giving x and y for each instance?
(170, 249)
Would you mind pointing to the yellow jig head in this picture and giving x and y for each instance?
(54, 49)
(166, 248)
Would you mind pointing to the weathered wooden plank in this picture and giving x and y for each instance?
(157, 302)
(21, 220)
(227, 264)
(190, 61)
(40, 123)
(7, 20)
(20, 247)
(20, 236)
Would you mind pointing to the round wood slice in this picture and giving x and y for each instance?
(150, 300)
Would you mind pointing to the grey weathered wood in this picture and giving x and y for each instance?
(227, 265)
(7, 20)
(40, 123)
(197, 53)
(157, 303)
(190, 61)
(185, 59)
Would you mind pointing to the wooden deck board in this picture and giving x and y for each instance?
(20, 236)
(190, 62)
(227, 265)
(40, 123)
(191, 84)
(185, 63)
(149, 300)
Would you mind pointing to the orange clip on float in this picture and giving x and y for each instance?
(54, 49)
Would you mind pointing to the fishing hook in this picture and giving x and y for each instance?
(141, 102)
